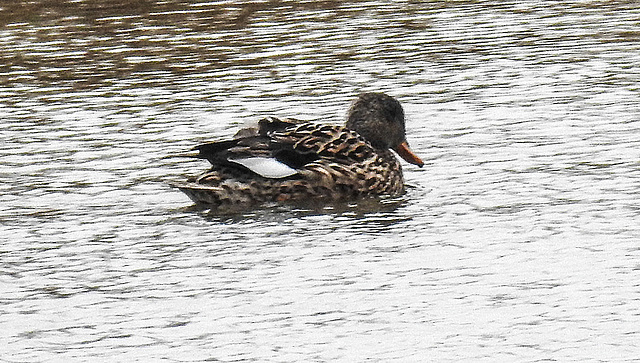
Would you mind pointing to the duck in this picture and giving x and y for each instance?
(291, 160)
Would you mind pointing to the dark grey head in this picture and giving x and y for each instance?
(379, 118)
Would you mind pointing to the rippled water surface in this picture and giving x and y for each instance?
(518, 241)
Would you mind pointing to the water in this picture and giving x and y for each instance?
(517, 242)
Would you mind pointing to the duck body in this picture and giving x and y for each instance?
(291, 160)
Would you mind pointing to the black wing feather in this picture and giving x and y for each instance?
(263, 143)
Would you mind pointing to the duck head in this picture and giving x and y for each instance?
(379, 118)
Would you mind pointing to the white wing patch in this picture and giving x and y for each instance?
(266, 167)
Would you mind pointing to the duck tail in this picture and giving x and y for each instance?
(190, 155)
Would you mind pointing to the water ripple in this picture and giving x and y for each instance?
(517, 241)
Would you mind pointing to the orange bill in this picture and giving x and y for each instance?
(408, 155)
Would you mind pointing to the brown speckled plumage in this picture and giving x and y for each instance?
(329, 163)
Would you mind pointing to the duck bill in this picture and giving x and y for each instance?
(408, 155)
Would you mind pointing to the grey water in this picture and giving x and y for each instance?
(519, 241)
